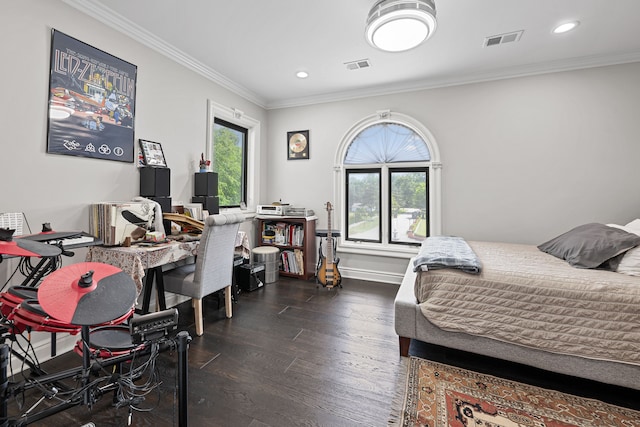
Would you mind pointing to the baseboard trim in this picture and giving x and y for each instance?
(373, 276)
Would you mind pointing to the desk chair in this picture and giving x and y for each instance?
(213, 269)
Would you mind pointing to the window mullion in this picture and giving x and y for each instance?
(385, 204)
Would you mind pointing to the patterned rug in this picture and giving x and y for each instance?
(437, 395)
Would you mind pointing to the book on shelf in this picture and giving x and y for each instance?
(300, 260)
(292, 261)
(283, 234)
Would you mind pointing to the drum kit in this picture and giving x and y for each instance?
(93, 299)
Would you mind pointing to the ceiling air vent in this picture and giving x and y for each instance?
(503, 38)
(356, 65)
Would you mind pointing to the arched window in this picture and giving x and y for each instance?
(389, 184)
(387, 142)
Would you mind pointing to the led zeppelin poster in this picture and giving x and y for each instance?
(91, 102)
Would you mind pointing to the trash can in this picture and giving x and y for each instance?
(267, 255)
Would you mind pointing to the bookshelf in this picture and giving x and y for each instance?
(295, 237)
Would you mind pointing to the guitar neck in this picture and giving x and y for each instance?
(329, 239)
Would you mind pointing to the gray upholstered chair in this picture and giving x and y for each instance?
(213, 269)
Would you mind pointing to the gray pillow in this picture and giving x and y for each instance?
(591, 245)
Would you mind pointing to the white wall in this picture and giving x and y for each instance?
(171, 108)
(524, 159)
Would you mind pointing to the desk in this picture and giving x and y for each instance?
(144, 262)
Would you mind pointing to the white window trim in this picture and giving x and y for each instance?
(435, 184)
(237, 117)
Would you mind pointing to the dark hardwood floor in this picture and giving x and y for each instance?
(297, 355)
(292, 355)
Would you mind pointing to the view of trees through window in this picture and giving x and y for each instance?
(363, 205)
(408, 205)
(387, 184)
(229, 161)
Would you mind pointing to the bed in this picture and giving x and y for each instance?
(535, 305)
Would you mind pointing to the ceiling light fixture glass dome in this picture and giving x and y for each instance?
(399, 25)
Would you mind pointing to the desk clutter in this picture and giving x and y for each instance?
(121, 223)
(115, 222)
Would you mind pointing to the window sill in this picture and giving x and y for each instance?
(378, 250)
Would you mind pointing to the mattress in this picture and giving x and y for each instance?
(526, 297)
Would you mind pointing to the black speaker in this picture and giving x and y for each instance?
(250, 277)
(205, 184)
(155, 182)
(209, 203)
(165, 203)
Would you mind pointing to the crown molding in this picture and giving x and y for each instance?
(123, 25)
(569, 64)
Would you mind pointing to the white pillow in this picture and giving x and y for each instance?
(635, 224)
(630, 263)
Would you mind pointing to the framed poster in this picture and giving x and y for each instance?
(298, 145)
(153, 154)
(91, 102)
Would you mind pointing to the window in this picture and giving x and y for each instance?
(234, 150)
(409, 220)
(389, 177)
(363, 205)
(230, 161)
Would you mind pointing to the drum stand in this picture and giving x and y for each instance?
(89, 393)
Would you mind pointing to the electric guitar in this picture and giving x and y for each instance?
(328, 273)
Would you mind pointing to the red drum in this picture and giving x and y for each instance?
(30, 314)
(20, 306)
(14, 296)
(109, 341)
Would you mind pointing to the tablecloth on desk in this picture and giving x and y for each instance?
(134, 260)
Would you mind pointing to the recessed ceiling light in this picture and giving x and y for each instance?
(567, 26)
(302, 74)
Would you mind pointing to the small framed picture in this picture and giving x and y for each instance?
(153, 154)
(298, 145)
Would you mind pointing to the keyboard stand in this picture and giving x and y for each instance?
(44, 267)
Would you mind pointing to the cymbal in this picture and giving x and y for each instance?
(88, 293)
(22, 247)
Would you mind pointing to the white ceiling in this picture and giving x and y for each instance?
(255, 47)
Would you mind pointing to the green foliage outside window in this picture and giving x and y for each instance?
(228, 162)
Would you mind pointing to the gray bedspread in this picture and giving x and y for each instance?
(438, 252)
(526, 297)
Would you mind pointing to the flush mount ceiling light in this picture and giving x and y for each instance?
(567, 26)
(399, 25)
(302, 74)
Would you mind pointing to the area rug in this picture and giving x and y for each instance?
(438, 395)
